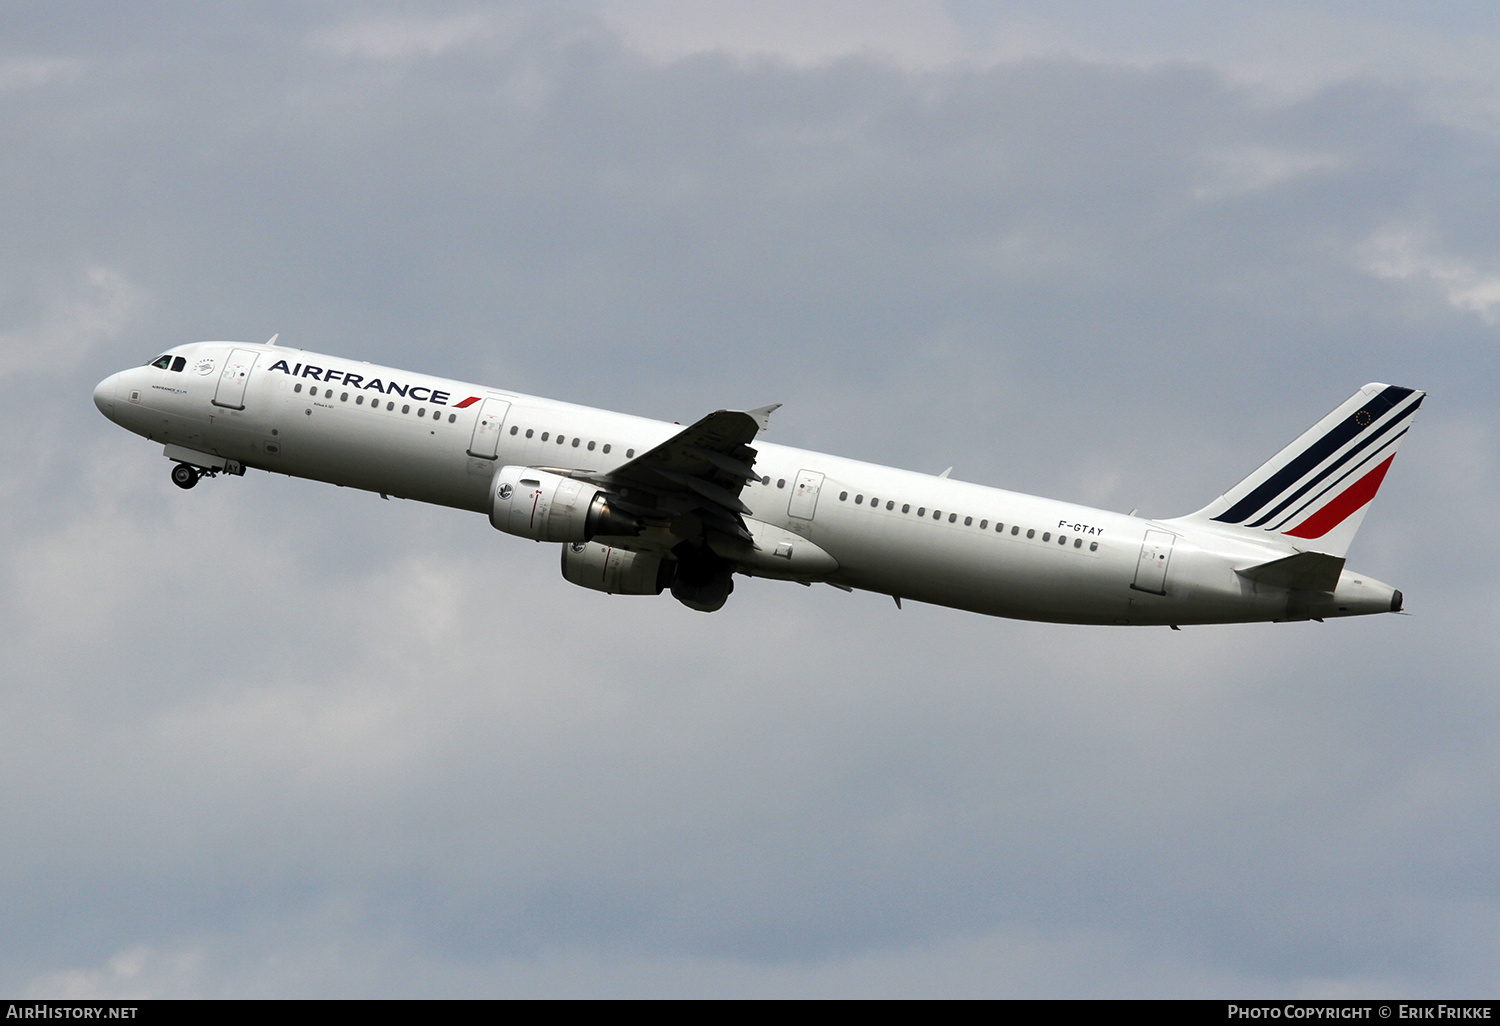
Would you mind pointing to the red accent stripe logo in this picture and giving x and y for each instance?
(1339, 510)
(466, 403)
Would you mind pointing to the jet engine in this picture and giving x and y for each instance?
(543, 506)
(616, 571)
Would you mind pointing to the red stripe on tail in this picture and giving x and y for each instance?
(1339, 510)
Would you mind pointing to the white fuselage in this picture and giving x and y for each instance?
(897, 532)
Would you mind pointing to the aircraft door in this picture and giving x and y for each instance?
(486, 441)
(1151, 567)
(233, 379)
(804, 500)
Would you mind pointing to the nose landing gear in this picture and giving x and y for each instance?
(184, 476)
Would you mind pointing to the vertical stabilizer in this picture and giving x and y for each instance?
(1316, 490)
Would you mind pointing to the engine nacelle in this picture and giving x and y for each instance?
(616, 571)
(549, 507)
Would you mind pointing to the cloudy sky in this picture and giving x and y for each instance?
(276, 738)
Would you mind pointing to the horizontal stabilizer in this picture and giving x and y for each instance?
(1306, 571)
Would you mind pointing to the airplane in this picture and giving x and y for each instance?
(642, 506)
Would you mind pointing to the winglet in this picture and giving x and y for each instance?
(946, 472)
(273, 339)
(762, 416)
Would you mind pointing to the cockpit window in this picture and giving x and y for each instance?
(163, 362)
(179, 362)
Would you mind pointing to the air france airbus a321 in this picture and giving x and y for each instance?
(642, 506)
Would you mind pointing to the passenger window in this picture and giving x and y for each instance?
(858, 499)
(906, 507)
(843, 496)
(297, 387)
(921, 511)
(163, 362)
(514, 429)
(575, 444)
(1015, 530)
(606, 447)
(179, 363)
(528, 432)
(1046, 536)
(968, 521)
(1062, 539)
(1031, 532)
(390, 406)
(343, 397)
(630, 454)
(359, 400)
(421, 411)
(546, 435)
(453, 417)
(591, 447)
(890, 505)
(405, 408)
(1093, 546)
(952, 518)
(999, 527)
(561, 439)
(984, 524)
(874, 501)
(781, 483)
(1078, 543)
(328, 394)
(937, 514)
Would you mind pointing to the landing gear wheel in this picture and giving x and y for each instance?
(184, 476)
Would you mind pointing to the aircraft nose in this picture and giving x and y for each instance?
(104, 395)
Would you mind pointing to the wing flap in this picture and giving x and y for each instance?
(710, 491)
(702, 468)
(728, 464)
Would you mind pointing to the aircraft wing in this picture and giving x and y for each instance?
(699, 471)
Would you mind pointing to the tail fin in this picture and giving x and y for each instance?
(1316, 489)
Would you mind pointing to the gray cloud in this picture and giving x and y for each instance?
(271, 737)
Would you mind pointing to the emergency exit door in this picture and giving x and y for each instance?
(1151, 567)
(804, 502)
(486, 441)
(233, 379)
